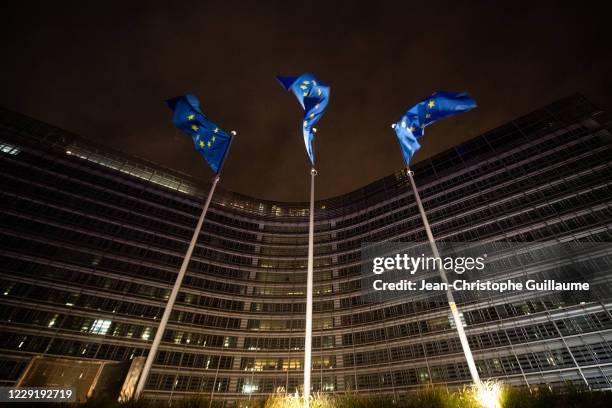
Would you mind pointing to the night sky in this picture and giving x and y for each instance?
(102, 70)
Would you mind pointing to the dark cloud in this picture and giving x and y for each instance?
(103, 69)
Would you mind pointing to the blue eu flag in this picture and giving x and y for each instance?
(313, 96)
(212, 142)
(411, 127)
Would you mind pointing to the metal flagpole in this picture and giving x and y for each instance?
(177, 284)
(449, 294)
(309, 290)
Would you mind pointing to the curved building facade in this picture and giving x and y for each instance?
(91, 241)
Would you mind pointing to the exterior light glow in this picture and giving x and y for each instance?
(488, 394)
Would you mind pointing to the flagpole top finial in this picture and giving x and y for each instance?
(314, 130)
(234, 133)
(393, 126)
(313, 171)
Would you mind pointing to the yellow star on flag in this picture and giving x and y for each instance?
(431, 104)
(209, 144)
(190, 117)
(216, 130)
(194, 127)
(201, 143)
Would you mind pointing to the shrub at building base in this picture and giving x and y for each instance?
(496, 396)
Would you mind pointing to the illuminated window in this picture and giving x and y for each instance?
(328, 386)
(227, 341)
(8, 149)
(451, 320)
(249, 388)
(325, 323)
(100, 326)
(146, 334)
(265, 364)
(292, 364)
(53, 320)
(323, 362)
